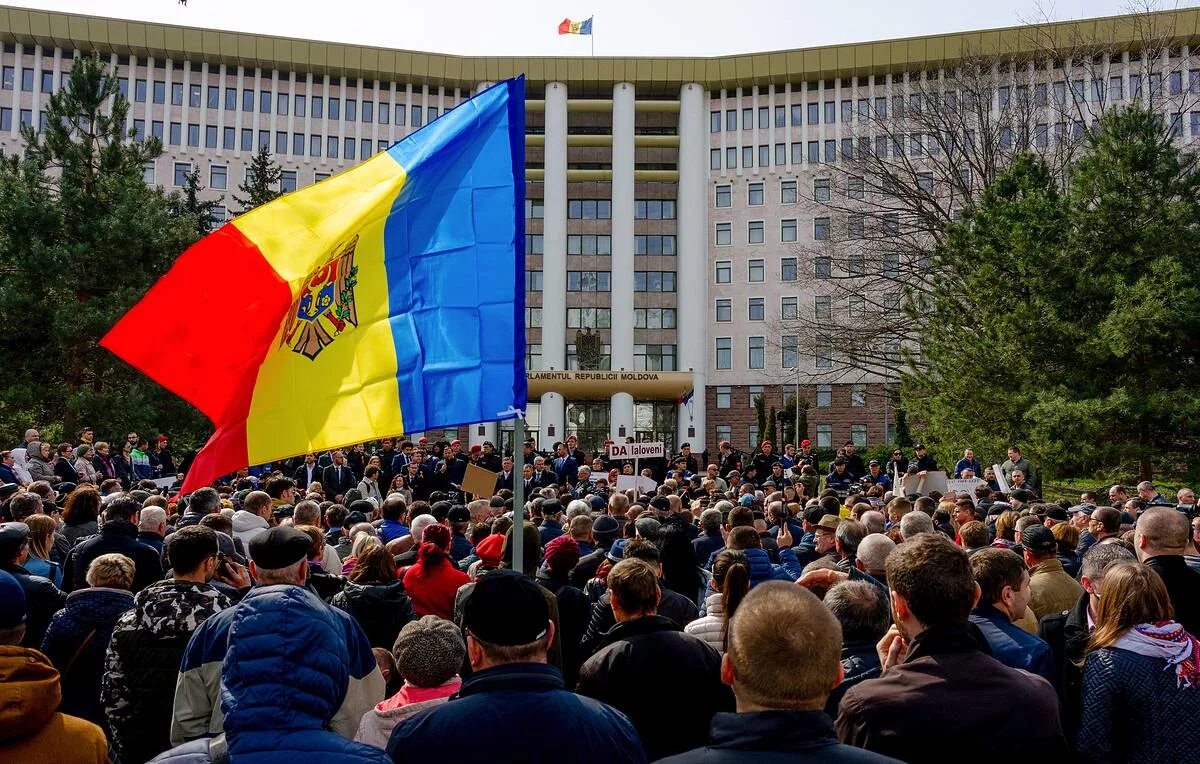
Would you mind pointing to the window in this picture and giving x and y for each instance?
(176, 133)
(27, 80)
(533, 317)
(218, 176)
(351, 111)
(797, 153)
(847, 110)
(820, 229)
(417, 117)
(714, 121)
(753, 432)
(298, 144)
(789, 308)
(755, 195)
(764, 118)
(160, 92)
(589, 244)
(247, 140)
(385, 115)
(287, 181)
(824, 396)
(533, 281)
(724, 272)
(591, 318)
(654, 357)
(147, 169)
(364, 148)
(855, 187)
(264, 139)
(139, 129)
(790, 345)
(855, 225)
(856, 305)
(757, 353)
(756, 309)
(724, 352)
(724, 234)
(653, 318)
(787, 192)
(653, 281)
(822, 267)
(195, 92)
(156, 129)
(193, 135)
(787, 232)
(756, 271)
(589, 209)
(714, 159)
(724, 396)
(731, 120)
(228, 138)
(858, 396)
(881, 107)
(764, 156)
(348, 148)
(26, 117)
(280, 142)
(318, 108)
(831, 151)
(724, 196)
(724, 310)
(823, 307)
(368, 111)
(814, 114)
(747, 156)
(534, 244)
(731, 158)
(780, 154)
(858, 435)
(653, 209)
(797, 114)
(821, 189)
(6, 119)
(654, 245)
(824, 354)
(747, 119)
(824, 436)
(755, 232)
(182, 170)
(48, 83)
(1115, 89)
(533, 356)
(314, 145)
(335, 108)
(830, 112)
(723, 433)
(755, 392)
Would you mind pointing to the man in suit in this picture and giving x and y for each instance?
(527, 477)
(542, 477)
(308, 472)
(505, 478)
(566, 469)
(338, 478)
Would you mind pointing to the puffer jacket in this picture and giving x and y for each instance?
(76, 642)
(860, 662)
(283, 678)
(762, 569)
(380, 609)
(43, 599)
(711, 626)
(32, 731)
(142, 663)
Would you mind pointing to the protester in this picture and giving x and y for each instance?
(730, 583)
(80, 515)
(933, 662)
(863, 611)
(433, 582)
(1004, 593)
(508, 628)
(1052, 590)
(375, 598)
(1141, 677)
(42, 598)
(1161, 539)
(32, 730)
(647, 649)
(118, 536)
(41, 548)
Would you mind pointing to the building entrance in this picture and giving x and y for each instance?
(588, 422)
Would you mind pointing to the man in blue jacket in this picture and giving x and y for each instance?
(1004, 593)
(508, 630)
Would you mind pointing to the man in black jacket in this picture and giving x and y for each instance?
(118, 535)
(1067, 632)
(645, 651)
(604, 532)
(862, 610)
(1161, 538)
(782, 662)
(933, 662)
(338, 478)
(43, 599)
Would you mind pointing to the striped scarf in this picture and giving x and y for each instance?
(1168, 641)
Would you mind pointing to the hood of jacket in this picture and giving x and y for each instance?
(29, 692)
(374, 595)
(171, 609)
(247, 521)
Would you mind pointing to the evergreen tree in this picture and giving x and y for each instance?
(262, 181)
(82, 237)
(772, 418)
(189, 204)
(760, 415)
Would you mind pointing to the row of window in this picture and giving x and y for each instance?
(824, 395)
(218, 176)
(601, 318)
(601, 244)
(645, 357)
(824, 435)
(789, 307)
(856, 264)
(601, 281)
(756, 352)
(601, 209)
(856, 188)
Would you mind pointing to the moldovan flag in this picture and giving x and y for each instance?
(387, 299)
(566, 26)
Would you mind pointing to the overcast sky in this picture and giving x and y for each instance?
(622, 27)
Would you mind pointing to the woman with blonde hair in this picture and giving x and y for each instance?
(1006, 530)
(1141, 674)
(41, 542)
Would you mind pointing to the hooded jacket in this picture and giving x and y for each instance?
(199, 705)
(39, 468)
(247, 525)
(43, 599)
(76, 642)
(142, 663)
(31, 729)
(381, 610)
(377, 724)
(284, 676)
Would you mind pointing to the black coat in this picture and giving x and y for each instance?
(1001, 714)
(574, 611)
(860, 662)
(674, 606)
(380, 609)
(303, 479)
(1183, 587)
(116, 537)
(333, 485)
(585, 569)
(646, 657)
(1067, 634)
(42, 600)
(775, 737)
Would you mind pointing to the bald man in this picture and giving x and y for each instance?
(1161, 539)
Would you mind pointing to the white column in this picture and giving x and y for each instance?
(554, 260)
(692, 266)
(621, 408)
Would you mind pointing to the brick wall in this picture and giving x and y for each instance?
(840, 415)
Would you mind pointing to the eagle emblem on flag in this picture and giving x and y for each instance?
(324, 309)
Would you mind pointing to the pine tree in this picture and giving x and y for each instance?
(263, 177)
(188, 203)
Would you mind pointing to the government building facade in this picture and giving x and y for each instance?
(676, 208)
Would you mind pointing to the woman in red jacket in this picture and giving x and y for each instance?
(433, 582)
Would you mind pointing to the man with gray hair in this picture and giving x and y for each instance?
(1067, 632)
(203, 501)
(710, 539)
(849, 535)
(578, 507)
(278, 561)
(1160, 540)
(405, 547)
(254, 517)
(874, 521)
(872, 556)
(308, 512)
(1149, 493)
(152, 527)
(913, 523)
(865, 615)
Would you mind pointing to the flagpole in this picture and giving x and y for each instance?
(518, 546)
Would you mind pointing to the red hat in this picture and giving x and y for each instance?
(805, 443)
(562, 553)
(767, 443)
(476, 449)
(456, 442)
(726, 444)
(489, 550)
(162, 438)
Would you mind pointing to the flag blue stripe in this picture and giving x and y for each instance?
(454, 251)
(586, 27)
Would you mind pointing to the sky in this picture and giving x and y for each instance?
(622, 27)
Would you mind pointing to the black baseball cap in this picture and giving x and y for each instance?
(1039, 540)
(506, 608)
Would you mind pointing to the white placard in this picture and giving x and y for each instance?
(963, 487)
(636, 483)
(636, 450)
(1000, 481)
(165, 482)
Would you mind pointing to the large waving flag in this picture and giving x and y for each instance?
(389, 298)
(566, 26)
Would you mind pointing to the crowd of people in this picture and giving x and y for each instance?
(752, 607)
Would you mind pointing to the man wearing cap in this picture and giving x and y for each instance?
(763, 460)
(551, 527)
(31, 729)
(278, 562)
(807, 456)
(42, 598)
(878, 476)
(923, 462)
(839, 478)
(142, 662)
(508, 627)
(604, 531)
(118, 535)
(459, 520)
(1052, 589)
